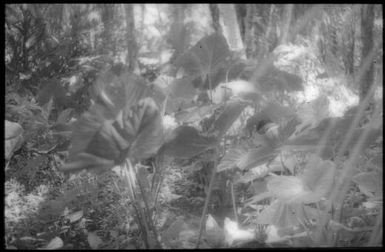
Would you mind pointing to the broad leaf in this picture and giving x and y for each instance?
(114, 128)
(246, 159)
(226, 118)
(370, 183)
(234, 234)
(319, 178)
(13, 138)
(274, 79)
(286, 188)
(55, 243)
(51, 89)
(204, 59)
(278, 113)
(186, 142)
(238, 88)
(194, 114)
(73, 217)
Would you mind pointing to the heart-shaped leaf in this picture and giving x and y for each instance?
(205, 59)
(186, 142)
(286, 188)
(114, 129)
(319, 178)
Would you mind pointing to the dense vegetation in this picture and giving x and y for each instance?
(193, 125)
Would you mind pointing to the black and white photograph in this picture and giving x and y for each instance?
(193, 126)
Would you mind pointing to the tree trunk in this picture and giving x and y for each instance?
(132, 47)
(287, 16)
(250, 41)
(230, 27)
(214, 10)
(178, 36)
(367, 24)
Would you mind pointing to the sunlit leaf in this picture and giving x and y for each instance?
(55, 243)
(235, 234)
(214, 234)
(286, 188)
(73, 217)
(94, 240)
(13, 138)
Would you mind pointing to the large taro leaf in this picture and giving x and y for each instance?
(370, 184)
(318, 177)
(114, 93)
(112, 131)
(205, 59)
(337, 129)
(186, 142)
(226, 118)
(194, 114)
(246, 159)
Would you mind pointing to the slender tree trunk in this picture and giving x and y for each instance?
(230, 27)
(132, 47)
(288, 11)
(214, 10)
(249, 31)
(178, 33)
(367, 24)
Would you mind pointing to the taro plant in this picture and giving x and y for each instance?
(210, 93)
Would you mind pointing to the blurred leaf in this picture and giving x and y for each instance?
(226, 118)
(13, 138)
(73, 217)
(370, 183)
(12, 130)
(55, 243)
(214, 234)
(274, 79)
(94, 240)
(254, 173)
(194, 114)
(235, 234)
(246, 159)
(186, 142)
(286, 188)
(51, 89)
(204, 59)
(171, 235)
(114, 128)
(278, 113)
(64, 116)
(319, 178)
